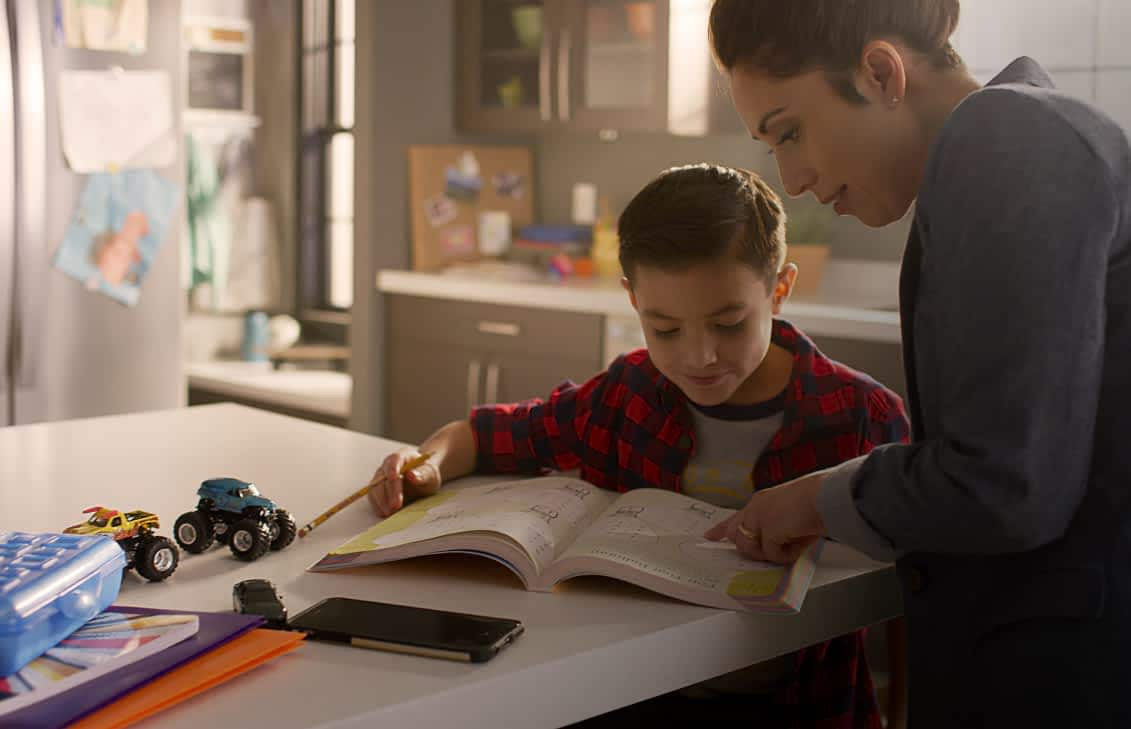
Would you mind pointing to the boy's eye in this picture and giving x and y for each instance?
(665, 333)
(736, 327)
(789, 136)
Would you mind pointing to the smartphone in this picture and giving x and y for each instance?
(406, 629)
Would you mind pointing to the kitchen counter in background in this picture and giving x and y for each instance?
(857, 299)
(509, 333)
(319, 395)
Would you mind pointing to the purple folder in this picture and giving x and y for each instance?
(61, 709)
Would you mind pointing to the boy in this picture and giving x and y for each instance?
(724, 400)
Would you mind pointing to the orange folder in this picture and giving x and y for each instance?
(200, 674)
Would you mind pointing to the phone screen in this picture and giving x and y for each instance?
(381, 625)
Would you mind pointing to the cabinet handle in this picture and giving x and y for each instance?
(564, 53)
(492, 383)
(472, 384)
(544, 98)
(502, 328)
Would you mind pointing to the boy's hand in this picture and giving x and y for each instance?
(390, 495)
(777, 523)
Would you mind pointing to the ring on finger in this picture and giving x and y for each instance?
(747, 533)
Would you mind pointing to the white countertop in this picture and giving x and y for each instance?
(592, 646)
(857, 299)
(318, 391)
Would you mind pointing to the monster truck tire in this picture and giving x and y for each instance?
(193, 531)
(249, 539)
(285, 529)
(156, 558)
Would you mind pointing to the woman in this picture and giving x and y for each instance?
(1009, 513)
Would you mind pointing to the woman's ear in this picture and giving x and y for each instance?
(882, 75)
(783, 286)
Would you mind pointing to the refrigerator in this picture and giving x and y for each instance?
(66, 352)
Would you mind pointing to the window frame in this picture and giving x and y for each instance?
(318, 123)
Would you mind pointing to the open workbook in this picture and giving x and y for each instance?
(552, 528)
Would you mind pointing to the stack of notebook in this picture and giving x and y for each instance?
(129, 663)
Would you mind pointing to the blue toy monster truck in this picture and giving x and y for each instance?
(233, 512)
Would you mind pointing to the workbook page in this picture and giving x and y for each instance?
(660, 534)
(542, 514)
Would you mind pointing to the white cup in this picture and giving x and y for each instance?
(584, 203)
(494, 232)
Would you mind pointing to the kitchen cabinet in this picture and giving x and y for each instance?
(613, 65)
(446, 356)
(588, 65)
(505, 58)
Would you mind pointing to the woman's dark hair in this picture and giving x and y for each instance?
(788, 37)
(703, 213)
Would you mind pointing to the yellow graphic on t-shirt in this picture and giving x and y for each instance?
(728, 483)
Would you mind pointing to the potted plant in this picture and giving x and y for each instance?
(807, 226)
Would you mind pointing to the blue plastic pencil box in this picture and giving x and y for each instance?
(50, 584)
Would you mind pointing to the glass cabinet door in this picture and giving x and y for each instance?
(506, 61)
(617, 76)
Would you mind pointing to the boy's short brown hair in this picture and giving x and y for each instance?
(702, 213)
(788, 38)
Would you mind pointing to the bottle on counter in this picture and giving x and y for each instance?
(255, 337)
(606, 245)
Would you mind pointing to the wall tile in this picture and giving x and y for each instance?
(1113, 95)
(1114, 31)
(1058, 33)
(1080, 84)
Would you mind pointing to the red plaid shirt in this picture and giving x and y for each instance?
(629, 427)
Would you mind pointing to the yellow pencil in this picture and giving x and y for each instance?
(408, 466)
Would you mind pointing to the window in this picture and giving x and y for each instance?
(326, 154)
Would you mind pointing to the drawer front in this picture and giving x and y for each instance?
(495, 328)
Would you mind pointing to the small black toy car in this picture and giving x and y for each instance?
(258, 597)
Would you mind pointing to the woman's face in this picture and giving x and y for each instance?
(864, 159)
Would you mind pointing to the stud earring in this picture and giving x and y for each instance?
(894, 100)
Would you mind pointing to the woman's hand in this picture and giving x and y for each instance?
(778, 523)
(390, 488)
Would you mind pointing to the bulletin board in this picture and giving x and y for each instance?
(450, 185)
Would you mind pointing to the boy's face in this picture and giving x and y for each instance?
(708, 327)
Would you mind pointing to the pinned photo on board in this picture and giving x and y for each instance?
(115, 232)
(509, 185)
(440, 210)
(458, 241)
(462, 181)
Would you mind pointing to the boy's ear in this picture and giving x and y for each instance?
(783, 286)
(627, 286)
